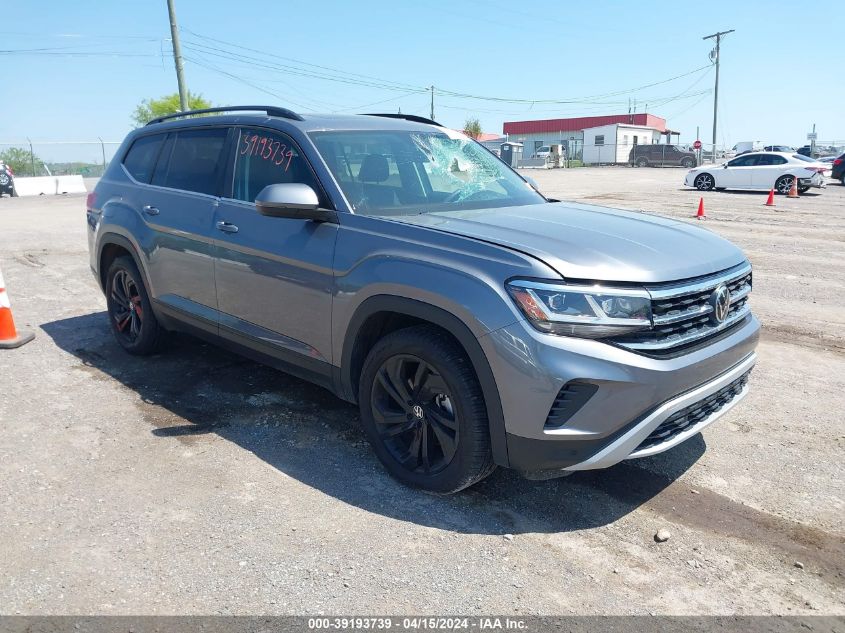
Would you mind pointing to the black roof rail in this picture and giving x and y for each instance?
(407, 117)
(269, 110)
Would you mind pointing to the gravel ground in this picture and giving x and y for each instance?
(196, 482)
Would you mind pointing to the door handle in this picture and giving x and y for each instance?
(150, 210)
(227, 227)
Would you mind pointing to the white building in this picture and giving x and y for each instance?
(610, 144)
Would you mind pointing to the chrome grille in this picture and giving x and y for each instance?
(692, 415)
(682, 313)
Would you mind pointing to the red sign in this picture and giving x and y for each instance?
(696, 145)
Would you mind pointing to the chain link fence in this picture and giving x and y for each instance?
(579, 154)
(88, 159)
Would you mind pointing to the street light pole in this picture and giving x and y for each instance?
(718, 37)
(177, 57)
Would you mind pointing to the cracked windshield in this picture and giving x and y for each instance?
(407, 172)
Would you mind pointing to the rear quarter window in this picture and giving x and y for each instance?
(141, 158)
(195, 161)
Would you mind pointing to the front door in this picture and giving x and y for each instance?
(273, 275)
(737, 172)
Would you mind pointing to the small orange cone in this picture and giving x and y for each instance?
(793, 190)
(700, 215)
(9, 336)
(771, 201)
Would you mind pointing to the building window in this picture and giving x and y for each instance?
(600, 139)
(625, 139)
(537, 146)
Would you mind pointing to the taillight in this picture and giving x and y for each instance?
(837, 161)
(817, 170)
(91, 200)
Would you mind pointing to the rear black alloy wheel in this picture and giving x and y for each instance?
(423, 410)
(131, 317)
(126, 306)
(704, 182)
(642, 162)
(413, 411)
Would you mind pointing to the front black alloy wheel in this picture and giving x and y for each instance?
(414, 415)
(423, 410)
(131, 317)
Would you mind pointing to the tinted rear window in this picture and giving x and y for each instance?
(196, 160)
(141, 157)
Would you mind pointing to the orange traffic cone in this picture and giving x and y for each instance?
(793, 190)
(9, 336)
(700, 215)
(771, 201)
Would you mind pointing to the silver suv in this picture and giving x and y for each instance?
(407, 269)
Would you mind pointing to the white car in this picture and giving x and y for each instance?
(760, 170)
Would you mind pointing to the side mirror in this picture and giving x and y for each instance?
(725, 166)
(294, 200)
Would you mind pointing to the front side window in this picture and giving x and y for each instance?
(265, 157)
(141, 158)
(743, 161)
(398, 172)
(195, 161)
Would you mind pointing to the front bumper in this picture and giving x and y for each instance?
(633, 394)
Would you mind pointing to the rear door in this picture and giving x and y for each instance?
(175, 204)
(736, 173)
(768, 169)
(274, 275)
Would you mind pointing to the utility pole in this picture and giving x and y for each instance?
(718, 37)
(177, 57)
(432, 104)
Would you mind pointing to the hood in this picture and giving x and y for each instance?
(589, 242)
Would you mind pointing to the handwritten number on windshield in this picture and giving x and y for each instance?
(266, 148)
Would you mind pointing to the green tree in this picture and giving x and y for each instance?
(149, 109)
(21, 161)
(472, 128)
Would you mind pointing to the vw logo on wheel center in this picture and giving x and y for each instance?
(418, 411)
(721, 302)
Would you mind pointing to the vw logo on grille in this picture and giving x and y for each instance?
(721, 302)
(418, 411)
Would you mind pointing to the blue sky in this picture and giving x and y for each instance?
(98, 59)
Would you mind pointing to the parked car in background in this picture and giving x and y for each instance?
(7, 180)
(807, 150)
(778, 148)
(659, 155)
(838, 169)
(543, 152)
(475, 322)
(759, 170)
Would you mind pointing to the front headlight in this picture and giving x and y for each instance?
(586, 311)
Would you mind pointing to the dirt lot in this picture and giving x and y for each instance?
(198, 482)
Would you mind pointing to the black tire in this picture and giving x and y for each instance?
(430, 433)
(688, 163)
(641, 162)
(784, 184)
(704, 182)
(131, 317)
(803, 189)
(842, 180)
